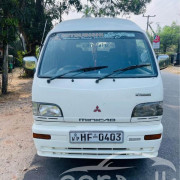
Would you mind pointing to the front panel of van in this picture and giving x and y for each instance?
(97, 94)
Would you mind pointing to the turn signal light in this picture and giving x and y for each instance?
(41, 136)
(152, 137)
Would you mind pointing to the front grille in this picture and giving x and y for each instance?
(96, 151)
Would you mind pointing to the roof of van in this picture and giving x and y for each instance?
(96, 24)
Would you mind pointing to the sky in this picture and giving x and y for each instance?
(166, 12)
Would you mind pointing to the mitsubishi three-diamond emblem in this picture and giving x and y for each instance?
(97, 109)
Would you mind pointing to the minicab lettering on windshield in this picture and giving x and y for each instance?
(93, 35)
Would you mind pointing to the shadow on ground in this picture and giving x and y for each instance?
(53, 168)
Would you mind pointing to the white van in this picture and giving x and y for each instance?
(97, 92)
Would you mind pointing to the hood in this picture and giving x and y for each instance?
(107, 101)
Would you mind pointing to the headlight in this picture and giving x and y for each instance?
(49, 110)
(148, 109)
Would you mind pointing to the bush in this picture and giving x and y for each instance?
(20, 55)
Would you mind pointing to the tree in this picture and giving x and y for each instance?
(33, 16)
(170, 37)
(117, 7)
(8, 30)
(34, 13)
(30, 16)
(87, 11)
(31, 22)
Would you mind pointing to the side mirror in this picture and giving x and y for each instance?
(29, 62)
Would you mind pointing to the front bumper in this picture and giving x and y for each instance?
(133, 147)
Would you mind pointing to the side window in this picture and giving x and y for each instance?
(143, 54)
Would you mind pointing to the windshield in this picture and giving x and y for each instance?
(67, 52)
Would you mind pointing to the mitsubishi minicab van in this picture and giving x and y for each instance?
(97, 92)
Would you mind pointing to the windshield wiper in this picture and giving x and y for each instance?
(122, 70)
(77, 70)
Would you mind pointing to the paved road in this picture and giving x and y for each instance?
(51, 168)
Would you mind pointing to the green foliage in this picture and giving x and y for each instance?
(20, 55)
(34, 14)
(37, 51)
(8, 31)
(170, 37)
(8, 20)
(87, 11)
(31, 22)
(15, 46)
(30, 16)
(115, 7)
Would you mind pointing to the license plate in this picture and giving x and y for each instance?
(96, 137)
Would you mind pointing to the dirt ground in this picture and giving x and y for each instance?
(16, 144)
(173, 69)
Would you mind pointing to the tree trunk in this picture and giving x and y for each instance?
(164, 49)
(31, 49)
(5, 70)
